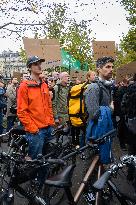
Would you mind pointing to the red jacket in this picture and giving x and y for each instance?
(34, 106)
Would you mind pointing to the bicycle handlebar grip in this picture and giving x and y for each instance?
(58, 129)
(100, 183)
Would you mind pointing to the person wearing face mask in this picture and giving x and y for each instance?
(98, 101)
(98, 93)
(34, 108)
(11, 103)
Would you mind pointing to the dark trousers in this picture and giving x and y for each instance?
(10, 122)
(78, 135)
(122, 130)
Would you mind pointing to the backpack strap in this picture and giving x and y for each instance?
(100, 92)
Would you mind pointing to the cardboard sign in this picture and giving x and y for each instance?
(48, 49)
(126, 71)
(103, 48)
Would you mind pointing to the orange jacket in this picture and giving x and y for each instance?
(34, 106)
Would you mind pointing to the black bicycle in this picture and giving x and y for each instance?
(20, 171)
(105, 179)
(58, 147)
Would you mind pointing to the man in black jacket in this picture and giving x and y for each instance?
(129, 110)
(117, 110)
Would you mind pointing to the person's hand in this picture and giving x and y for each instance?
(35, 133)
(57, 122)
(112, 105)
(51, 94)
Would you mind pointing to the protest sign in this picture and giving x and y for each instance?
(48, 49)
(103, 48)
(126, 71)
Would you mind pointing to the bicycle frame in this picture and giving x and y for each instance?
(74, 200)
(86, 178)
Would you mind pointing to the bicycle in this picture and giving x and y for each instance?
(62, 180)
(56, 147)
(20, 172)
(94, 164)
(123, 199)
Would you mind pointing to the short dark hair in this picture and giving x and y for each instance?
(102, 61)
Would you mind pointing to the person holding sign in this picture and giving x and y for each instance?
(34, 108)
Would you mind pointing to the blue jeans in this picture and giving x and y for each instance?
(10, 122)
(1, 121)
(36, 141)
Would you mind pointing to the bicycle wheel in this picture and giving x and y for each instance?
(52, 194)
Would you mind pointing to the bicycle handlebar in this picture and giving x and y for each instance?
(100, 183)
(42, 160)
(4, 135)
(61, 130)
(110, 134)
(39, 161)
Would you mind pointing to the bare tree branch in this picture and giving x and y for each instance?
(14, 31)
(5, 25)
(22, 24)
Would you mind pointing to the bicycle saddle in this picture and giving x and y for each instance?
(63, 179)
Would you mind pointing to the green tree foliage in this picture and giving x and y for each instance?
(130, 7)
(78, 42)
(55, 21)
(74, 37)
(129, 41)
(127, 51)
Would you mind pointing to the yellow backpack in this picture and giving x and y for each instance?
(76, 105)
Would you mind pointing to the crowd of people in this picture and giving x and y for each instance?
(40, 103)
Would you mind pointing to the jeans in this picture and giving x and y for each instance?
(1, 121)
(10, 122)
(36, 141)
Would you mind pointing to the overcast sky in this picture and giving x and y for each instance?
(109, 23)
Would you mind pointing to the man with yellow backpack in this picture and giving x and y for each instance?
(76, 110)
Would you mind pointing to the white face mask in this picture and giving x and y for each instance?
(107, 82)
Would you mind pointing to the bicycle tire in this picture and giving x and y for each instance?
(53, 195)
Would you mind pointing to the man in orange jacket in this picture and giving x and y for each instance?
(34, 108)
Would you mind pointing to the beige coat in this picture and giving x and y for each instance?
(11, 99)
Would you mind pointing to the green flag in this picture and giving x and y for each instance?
(85, 66)
(69, 61)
